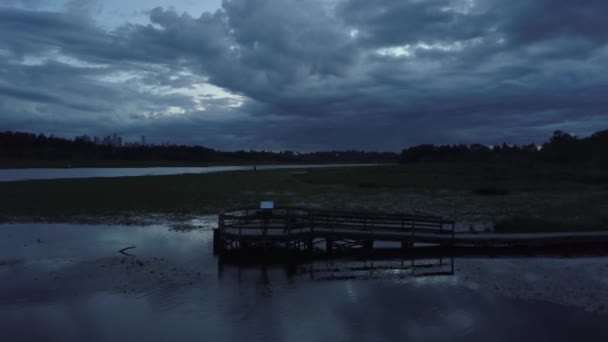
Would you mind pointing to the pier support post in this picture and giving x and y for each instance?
(405, 244)
(217, 242)
(329, 246)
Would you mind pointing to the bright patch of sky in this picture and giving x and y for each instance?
(200, 91)
(110, 14)
(460, 6)
(409, 50)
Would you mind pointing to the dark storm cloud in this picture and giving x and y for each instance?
(531, 21)
(389, 22)
(28, 95)
(41, 97)
(397, 22)
(25, 31)
(375, 74)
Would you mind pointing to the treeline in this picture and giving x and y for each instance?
(20, 146)
(561, 148)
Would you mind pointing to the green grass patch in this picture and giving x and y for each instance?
(453, 190)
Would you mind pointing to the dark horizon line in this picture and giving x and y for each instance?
(136, 144)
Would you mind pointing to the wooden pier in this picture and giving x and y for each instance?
(316, 232)
(305, 230)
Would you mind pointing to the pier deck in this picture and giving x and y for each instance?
(312, 231)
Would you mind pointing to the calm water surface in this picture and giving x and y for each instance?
(9, 175)
(69, 283)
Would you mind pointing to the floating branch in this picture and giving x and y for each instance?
(122, 251)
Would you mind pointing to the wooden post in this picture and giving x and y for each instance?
(288, 231)
(265, 226)
(413, 237)
(329, 246)
(412, 265)
(217, 242)
(220, 267)
(452, 264)
(220, 220)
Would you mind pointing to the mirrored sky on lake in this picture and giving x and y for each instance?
(63, 282)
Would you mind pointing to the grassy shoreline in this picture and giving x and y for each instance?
(509, 198)
(35, 164)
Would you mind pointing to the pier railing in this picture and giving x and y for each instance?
(295, 220)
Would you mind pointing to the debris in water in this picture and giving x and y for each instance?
(122, 251)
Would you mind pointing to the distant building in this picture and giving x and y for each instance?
(112, 140)
(143, 140)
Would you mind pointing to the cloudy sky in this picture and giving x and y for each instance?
(305, 74)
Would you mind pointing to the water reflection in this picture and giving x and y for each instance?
(375, 267)
(9, 175)
(75, 286)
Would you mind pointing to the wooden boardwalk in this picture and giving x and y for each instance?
(314, 231)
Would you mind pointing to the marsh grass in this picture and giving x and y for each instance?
(574, 198)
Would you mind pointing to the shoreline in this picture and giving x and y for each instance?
(51, 174)
(572, 244)
(4, 165)
(529, 201)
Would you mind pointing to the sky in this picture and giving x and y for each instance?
(377, 75)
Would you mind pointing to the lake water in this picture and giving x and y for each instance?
(9, 175)
(61, 282)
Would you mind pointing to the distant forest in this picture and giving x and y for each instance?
(19, 146)
(561, 148)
